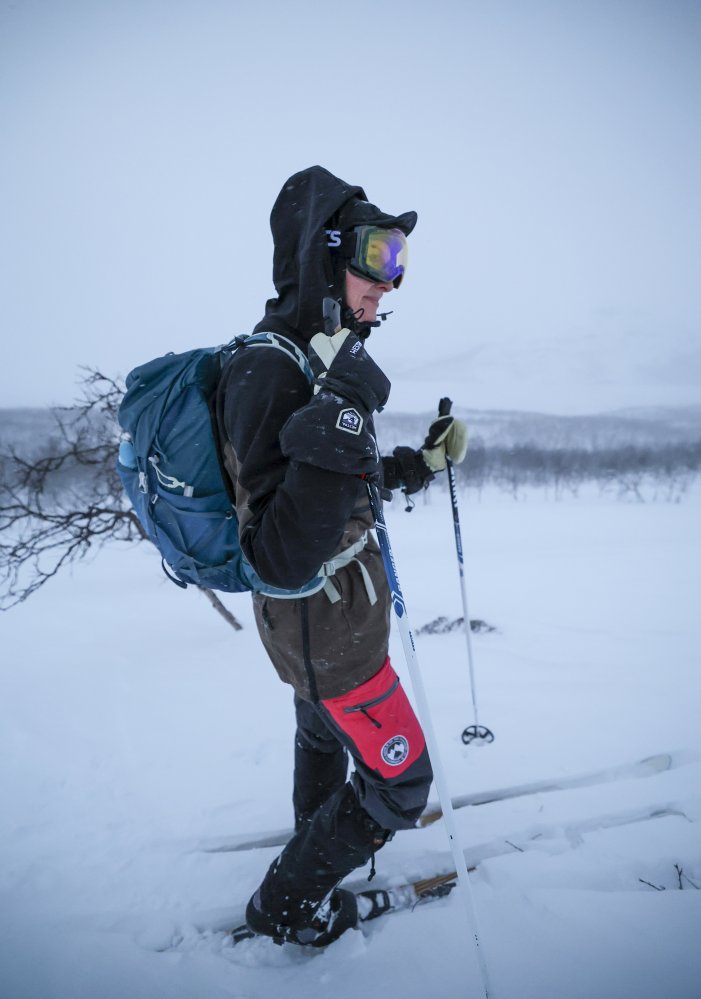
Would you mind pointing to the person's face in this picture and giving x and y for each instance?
(365, 295)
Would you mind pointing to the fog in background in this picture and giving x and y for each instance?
(551, 150)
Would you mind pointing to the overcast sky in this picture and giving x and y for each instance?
(551, 149)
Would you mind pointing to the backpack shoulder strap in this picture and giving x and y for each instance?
(280, 343)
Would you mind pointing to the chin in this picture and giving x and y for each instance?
(370, 312)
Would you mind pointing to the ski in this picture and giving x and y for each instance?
(388, 898)
(540, 833)
(647, 767)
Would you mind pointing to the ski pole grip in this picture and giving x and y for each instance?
(444, 406)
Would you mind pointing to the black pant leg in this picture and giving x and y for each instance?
(321, 763)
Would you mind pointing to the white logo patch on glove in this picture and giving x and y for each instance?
(350, 420)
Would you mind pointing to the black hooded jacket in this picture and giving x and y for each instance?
(305, 270)
(292, 516)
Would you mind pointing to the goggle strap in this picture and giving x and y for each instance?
(349, 242)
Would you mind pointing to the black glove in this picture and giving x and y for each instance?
(341, 364)
(406, 470)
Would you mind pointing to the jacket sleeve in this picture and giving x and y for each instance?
(291, 515)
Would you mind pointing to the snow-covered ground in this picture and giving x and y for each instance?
(139, 729)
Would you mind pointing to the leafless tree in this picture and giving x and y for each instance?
(64, 498)
(663, 470)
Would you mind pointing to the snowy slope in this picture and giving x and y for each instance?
(137, 728)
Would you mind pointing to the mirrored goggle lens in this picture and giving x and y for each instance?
(381, 254)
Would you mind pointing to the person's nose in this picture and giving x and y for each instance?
(385, 286)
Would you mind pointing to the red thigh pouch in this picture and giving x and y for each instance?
(380, 722)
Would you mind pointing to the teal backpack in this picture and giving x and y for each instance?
(172, 472)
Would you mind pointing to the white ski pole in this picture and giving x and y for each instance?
(427, 725)
(476, 731)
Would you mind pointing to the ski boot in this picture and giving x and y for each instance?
(299, 899)
(335, 915)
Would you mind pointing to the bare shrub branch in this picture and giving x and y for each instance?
(63, 498)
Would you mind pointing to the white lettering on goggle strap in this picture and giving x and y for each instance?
(334, 237)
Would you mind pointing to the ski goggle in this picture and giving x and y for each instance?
(380, 254)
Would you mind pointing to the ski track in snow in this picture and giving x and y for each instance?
(138, 728)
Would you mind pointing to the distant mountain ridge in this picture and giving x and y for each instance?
(28, 429)
(657, 426)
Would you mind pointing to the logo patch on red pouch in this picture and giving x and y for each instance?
(395, 751)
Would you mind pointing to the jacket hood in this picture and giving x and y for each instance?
(305, 269)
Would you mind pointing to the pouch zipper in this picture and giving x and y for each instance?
(363, 707)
